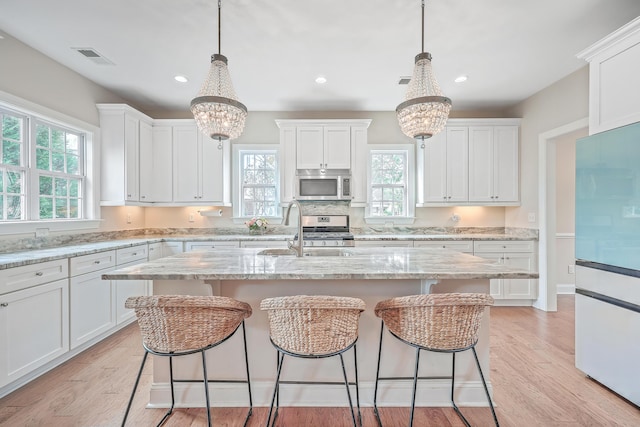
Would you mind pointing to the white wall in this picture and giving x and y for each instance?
(563, 102)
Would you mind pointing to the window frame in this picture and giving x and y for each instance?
(91, 188)
(238, 151)
(409, 151)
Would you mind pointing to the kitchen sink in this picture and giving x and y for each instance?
(307, 252)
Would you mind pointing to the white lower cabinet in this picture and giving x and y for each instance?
(129, 288)
(265, 244)
(91, 301)
(203, 246)
(519, 254)
(34, 328)
(465, 246)
(384, 243)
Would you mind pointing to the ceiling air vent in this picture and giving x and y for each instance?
(92, 55)
(404, 80)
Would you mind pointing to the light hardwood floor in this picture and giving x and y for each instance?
(532, 368)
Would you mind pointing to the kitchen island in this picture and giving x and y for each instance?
(372, 274)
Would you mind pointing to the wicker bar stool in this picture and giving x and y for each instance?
(178, 325)
(445, 323)
(313, 327)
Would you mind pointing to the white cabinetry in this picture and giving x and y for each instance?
(34, 321)
(465, 246)
(92, 300)
(384, 243)
(318, 144)
(128, 257)
(156, 165)
(519, 254)
(203, 246)
(323, 147)
(613, 78)
(493, 165)
(443, 174)
(123, 130)
(201, 167)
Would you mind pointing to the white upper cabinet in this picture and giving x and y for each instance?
(493, 165)
(444, 173)
(324, 144)
(200, 165)
(323, 147)
(156, 166)
(123, 129)
(471, 162)
(613, 79)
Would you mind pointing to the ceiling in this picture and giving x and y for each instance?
(276, 49)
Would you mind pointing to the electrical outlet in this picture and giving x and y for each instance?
(128, 218)
(191, 217)
(571, 269)
(42, 232)
(531, 217)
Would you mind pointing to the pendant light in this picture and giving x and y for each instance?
(425, 111)
(216, 109)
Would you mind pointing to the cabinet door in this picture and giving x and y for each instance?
(92, 307)
(435, 169)
(309, 147)
(520, 288)
(186, 168)
(457, 164)
(337, 147)
(34, 328)
(496, 286)
(506, 178)
(156, 166)
(155, 251)
(212, 179)
(145, 173)
(172, 248)
(132, 147)
(125, 289)
(481, 164)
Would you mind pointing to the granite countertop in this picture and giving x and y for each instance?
(363, 263)
(32, 256)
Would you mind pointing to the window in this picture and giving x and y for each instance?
(390, 186)
(258, 182)
(42, 169)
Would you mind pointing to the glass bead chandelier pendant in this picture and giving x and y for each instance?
(425, 111)
(216, 109)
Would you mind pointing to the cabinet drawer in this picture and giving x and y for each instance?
(460, 246)
(503, 246)
(155, 251)
(203, 246)
(14, 279)
(89, 263)
(135, 253)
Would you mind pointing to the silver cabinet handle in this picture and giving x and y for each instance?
(96, 261)
(143, 197)
(4, 304)
(134, 254)
(39, 273)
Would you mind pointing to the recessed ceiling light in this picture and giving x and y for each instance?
(181, 79)
(461, 79)
(321, 80)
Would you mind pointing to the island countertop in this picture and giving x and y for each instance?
(362, 263)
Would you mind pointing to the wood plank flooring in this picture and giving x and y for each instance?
(532, 363)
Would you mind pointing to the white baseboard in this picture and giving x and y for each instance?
(431, 393)
(566, 288)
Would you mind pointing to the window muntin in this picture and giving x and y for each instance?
(42, 170)
(389, 183)
(12, 166)
(258, 180)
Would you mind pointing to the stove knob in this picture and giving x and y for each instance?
(340, 243)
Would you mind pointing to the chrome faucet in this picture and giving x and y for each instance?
(299, 247)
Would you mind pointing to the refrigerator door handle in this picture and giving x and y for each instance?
(610, 300)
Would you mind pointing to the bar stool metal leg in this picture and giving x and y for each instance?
(135, 386)
(346, 384)
(173, 396)
(355, 364)
(486, 389)
(415, 386)
(375, 390)
(280, 359)
(246, 359)
(206, 387)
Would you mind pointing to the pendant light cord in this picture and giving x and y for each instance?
(422, 25)
(220, 23)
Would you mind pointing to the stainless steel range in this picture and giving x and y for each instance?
(326, 230)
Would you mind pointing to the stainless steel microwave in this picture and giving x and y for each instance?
(323, 184)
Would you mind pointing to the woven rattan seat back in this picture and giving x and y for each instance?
(313, 325)
(435, 321)
(177, 323)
